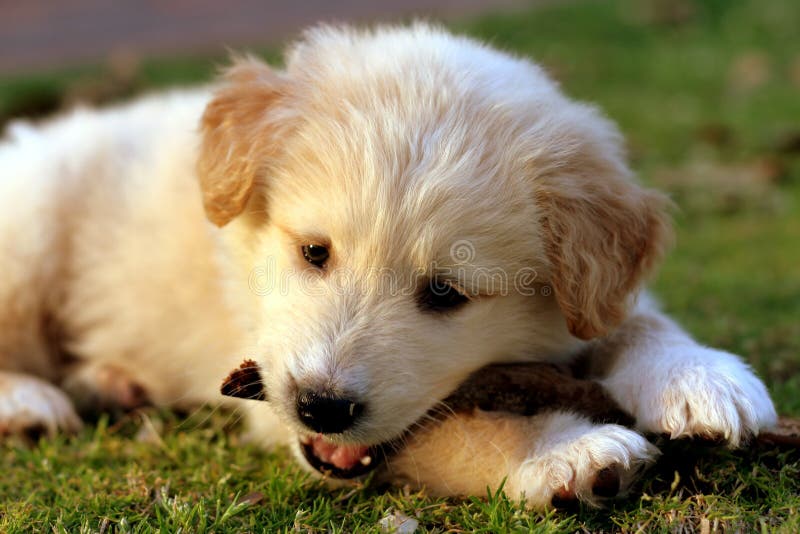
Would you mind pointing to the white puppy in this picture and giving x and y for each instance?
(395, 210)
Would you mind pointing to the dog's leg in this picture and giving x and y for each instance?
(28, 404)
(672, 385)
(96, 387)
(540, 458)
(28, 400)
(34, 208)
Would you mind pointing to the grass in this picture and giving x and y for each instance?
(707, 95)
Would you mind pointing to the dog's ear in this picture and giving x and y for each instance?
(238, 137)
(602, 233)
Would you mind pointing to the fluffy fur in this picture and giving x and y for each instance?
(410, 153)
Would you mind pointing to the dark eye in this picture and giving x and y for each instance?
(316, 255)
(439, 296)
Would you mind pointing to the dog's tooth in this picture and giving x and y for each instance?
(366, 460)
(305, 440)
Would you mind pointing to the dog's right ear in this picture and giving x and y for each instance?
(238, 137)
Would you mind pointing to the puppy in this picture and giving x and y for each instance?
(394, 210)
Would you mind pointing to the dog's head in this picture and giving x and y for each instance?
(410, 206)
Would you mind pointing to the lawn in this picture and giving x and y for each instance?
(708, 95)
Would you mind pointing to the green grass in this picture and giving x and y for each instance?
(708, 95)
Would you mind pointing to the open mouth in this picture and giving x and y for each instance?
(340, 461)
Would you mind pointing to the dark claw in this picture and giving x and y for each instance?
(137, 397)
(34, 432)
(606, 483)
(564, 500)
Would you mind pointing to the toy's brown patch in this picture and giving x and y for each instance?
(244, 383)
(530, 388)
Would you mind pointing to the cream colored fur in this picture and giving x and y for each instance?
(408, 151)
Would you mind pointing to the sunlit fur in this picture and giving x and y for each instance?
(163, 237)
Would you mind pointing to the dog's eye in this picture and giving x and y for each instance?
(439, 296)
(316, 255)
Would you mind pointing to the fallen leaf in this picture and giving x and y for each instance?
(399, 523)
(252, 498)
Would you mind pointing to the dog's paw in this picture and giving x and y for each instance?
(716, 397)
(29, 405)
(583, 461)
(99, 387)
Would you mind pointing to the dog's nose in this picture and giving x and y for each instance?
(326, 413)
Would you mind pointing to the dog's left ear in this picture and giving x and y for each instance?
(239, 135)
(602, 232)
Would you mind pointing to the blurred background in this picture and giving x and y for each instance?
(125, 39)
(42, 33)
(707, 93)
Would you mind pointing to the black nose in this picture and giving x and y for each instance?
(326, 413)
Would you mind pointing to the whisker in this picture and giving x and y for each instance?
(257, 394)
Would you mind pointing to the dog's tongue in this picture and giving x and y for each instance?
(341, 456)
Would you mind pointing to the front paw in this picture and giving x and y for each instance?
(28, 404)
(581, 460)
(715, 397)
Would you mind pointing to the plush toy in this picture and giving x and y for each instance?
(521, 389)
